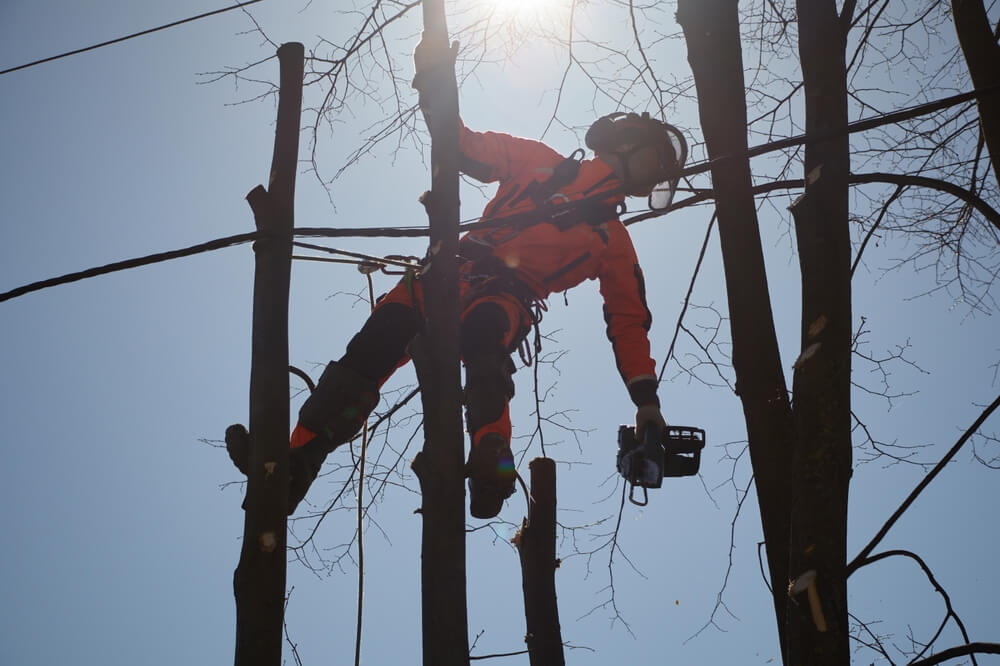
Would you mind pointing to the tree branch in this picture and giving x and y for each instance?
(959, 651)
(861, 557)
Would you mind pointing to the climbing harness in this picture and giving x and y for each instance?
(488, 275)
(674, 451)
(542, 193)
(485, 273)
(592, 209)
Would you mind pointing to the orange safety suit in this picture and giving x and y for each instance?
(522, 264)
(548, 259)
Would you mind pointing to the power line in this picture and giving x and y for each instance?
(413, 232)
(126, 37)
(356, 257)
(217, 244)
(854, 127)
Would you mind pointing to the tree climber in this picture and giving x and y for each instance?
(563, 228)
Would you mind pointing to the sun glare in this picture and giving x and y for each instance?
(522, 8)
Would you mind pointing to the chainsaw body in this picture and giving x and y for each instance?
(674, 451)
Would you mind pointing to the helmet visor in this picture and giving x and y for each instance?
(662, 195)
(663, 192)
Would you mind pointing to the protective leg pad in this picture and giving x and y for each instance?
(338, 406)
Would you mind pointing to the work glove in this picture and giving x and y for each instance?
(429, 55)
(642, 390)
(648, 416)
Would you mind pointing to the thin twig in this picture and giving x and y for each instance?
(687, 297)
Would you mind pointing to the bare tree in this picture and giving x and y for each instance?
(921, 182)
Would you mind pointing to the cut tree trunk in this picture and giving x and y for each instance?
(711, 30)
(982, 57)
(536, 546)
(822, 384)
(440, 466)
(259, 581)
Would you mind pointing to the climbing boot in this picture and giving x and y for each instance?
(304, 464)
(491, 475)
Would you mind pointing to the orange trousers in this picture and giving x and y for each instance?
(493, 323)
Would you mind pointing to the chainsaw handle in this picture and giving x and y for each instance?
(631, 495)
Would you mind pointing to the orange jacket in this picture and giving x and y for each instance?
(548, 259)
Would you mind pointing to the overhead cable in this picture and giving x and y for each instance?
(216, 244)
(357, 256)
(238, 5)
(412, 232)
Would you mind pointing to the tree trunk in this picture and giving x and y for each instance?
(822, 384)
(711, 29)
(536, 545)
(982, 56)
(440, 466)
(259, 581)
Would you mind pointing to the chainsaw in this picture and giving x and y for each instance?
(673, 451)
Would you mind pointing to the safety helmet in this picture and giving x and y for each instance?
(624, 133)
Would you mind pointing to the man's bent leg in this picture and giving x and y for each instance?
(347, 392)
(489, 387)
(334, 412)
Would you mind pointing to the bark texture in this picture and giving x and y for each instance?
(259, 581)
(536, 546)
(440, 466)
(822, 384)
(982, 56)
(711, 30)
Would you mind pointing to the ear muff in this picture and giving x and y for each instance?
(610, 133)
(602, 134)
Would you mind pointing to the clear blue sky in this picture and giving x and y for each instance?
(120, 531)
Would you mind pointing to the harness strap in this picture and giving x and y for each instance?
(489, 275)
(562, 174)
(590, 209)
(593, 214)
